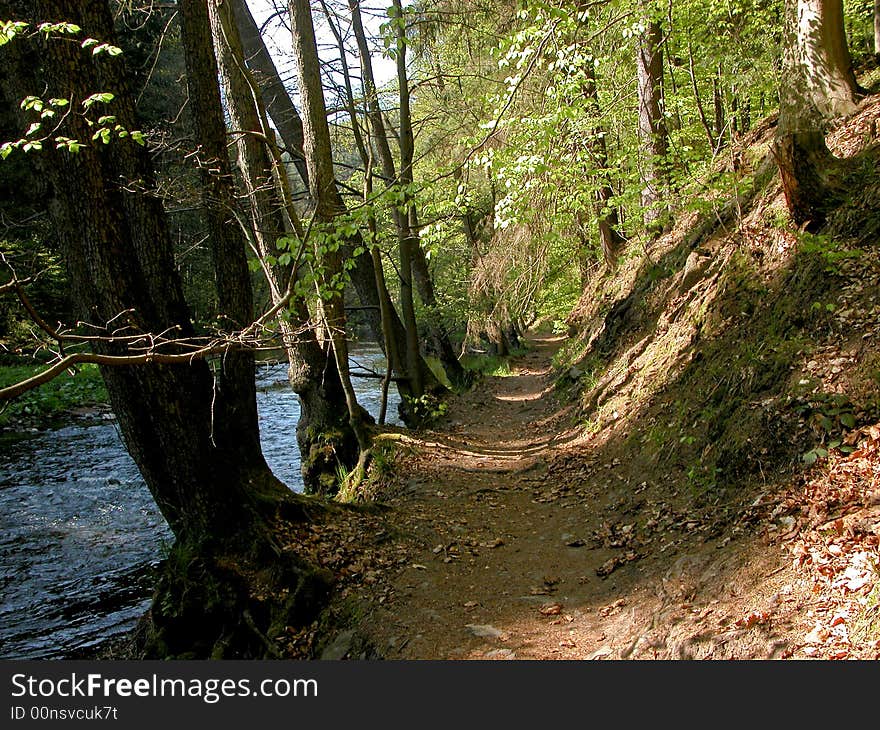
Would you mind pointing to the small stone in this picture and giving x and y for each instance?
(340, 647)
(486, 631)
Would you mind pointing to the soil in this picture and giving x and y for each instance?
(510, 532)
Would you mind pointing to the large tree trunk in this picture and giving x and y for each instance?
(652, 127)
(820, 48)
(806, 166)
(236, 387)
(118, 252)
(325, 438)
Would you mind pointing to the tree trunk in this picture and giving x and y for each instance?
(652, 128)
(284, 114)
(409, 238)
(718, 104)
(236, 386)
(363, 276)
(610, 239)
(805, 164)
(326, 441)
(118, 252)
(407, 224)
(820, 47)
(328, 205)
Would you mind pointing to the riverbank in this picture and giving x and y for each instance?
(80, 394)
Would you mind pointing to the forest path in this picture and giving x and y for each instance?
(513, 535)
(509, 523)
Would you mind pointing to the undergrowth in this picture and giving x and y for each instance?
(52, 400)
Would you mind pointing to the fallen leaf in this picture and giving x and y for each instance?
(753, 619)
(609, 566)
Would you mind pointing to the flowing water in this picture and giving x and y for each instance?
(80, 534)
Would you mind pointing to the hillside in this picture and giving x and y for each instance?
(696, 475)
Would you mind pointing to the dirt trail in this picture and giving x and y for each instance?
(521, 542)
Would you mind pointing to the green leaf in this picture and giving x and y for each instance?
(32, 102)
(848, 420)
(9, 29)
(103, 135)
(138, 137)
(104, 98)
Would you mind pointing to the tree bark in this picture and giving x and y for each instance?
(328, 205)
(325, 439)
(652, 127)
(806, 166)
(406, 223)
(363, 276)
(236, 386)
(607, 218)
(284, 114)
(820, 47)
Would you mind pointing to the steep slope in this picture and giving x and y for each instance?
(697, 477)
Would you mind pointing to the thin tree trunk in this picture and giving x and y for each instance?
(324, 436)
(328, 205)
(697, 100)
(652, 128)
(284, 114)
(406, 223)
(236, 385)
(409, 241)
(608, 221)
(718, 104)
(363, 276)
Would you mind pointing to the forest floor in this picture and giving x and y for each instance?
(511, 535)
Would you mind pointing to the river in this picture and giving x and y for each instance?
(80, 534)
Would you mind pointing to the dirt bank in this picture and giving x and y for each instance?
(510, 534)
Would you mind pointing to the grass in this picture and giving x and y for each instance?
(53, 399)
(491, 365)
